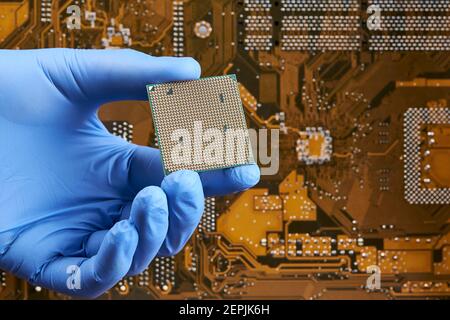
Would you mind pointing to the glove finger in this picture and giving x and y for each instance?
(150, 216)
(100, 76)
(94, 242)
(91, 277)
(146, 170)
(186, 203)
(149, 213)
(123, 168)
(231, 180)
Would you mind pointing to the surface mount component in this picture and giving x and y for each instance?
(200, 124)
(426, 155)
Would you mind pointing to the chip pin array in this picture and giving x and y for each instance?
(209, 103)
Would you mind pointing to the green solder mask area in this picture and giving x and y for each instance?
(200, 124)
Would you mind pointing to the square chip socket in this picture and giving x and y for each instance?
(200, 124)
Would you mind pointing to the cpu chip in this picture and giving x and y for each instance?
(200, 124)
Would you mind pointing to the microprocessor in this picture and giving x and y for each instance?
(200, 124)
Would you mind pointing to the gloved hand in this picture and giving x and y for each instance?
(73, 196)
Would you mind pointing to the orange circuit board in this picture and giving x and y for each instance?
(351, 100)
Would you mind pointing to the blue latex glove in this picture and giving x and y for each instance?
(71, 194)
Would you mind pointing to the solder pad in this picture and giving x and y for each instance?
(197, 108)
